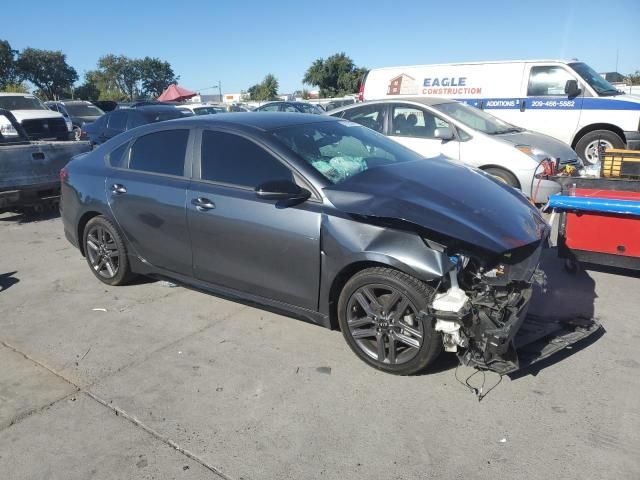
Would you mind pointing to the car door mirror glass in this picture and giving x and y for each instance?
(571, 88)
(444, 133)
(281, 190)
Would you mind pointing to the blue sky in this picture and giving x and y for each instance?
(238, 42)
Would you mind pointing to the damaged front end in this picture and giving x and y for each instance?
(481, 305)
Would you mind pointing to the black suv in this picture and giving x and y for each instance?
(80, 112)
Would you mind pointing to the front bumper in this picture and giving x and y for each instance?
(633, 140)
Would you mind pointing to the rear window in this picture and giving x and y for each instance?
(160, 116)
(160, 152)
(117, 158)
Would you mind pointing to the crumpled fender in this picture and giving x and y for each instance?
(346, 241)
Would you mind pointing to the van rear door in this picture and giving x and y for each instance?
(545, 106)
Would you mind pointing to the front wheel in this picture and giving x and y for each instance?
(504, 176)
(105, 252)
(591, 144)
(379, 315)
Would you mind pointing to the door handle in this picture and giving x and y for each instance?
(203, 204)
(117, 189)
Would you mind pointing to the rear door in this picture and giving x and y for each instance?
(245, 243)
(147, 189)
(547, 108)
(414, 127)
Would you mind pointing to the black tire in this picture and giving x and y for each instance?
(405, 324)
(586, 144)
(504, 176)
(571, 266)
(108, 262)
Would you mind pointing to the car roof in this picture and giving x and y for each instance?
(16, 94)
(154, 108)
(69, 102)
(426, 101)
(258, 120)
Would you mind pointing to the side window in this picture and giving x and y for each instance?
(160, 152)
(371, 116)
(229, 158)
(117, 157)
(118, 121)
(289, 108)
(272, 107)
(53, 107)
(548, 81)
(410, 121)
(135, 120)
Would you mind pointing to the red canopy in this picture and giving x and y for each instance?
(174, 93)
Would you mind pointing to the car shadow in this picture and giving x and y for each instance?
(565, 296)
(28, 216)
(7, 280)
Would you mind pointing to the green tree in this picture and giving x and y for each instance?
(14, 88)
(46, 69)
(634, 78)
(8, 74)
(89, 90)
(265, 90)
(336, 75)
(157, 75)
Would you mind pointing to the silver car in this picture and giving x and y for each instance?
(434, 126)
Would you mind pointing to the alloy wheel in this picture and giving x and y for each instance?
(593, 149)
(383, 323)
(103, 252)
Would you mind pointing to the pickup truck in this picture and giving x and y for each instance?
(29, 170)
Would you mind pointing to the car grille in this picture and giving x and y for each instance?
(41, 128)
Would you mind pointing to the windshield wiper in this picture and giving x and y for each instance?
(506, 130)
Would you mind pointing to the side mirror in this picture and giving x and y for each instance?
(571, 88)
(282, 190)
(444, 133)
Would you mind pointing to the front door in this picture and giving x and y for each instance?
(415, 128)
(147, 198)
(547, 108)
(245, 243)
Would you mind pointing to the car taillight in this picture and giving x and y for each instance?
(83, 134)
(361, 92)
(64, 174)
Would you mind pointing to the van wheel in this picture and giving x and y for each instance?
(504, 176)
(588, 147)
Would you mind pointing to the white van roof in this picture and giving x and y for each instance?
(547, 60)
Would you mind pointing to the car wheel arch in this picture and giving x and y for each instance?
(490, 166)
(368, 260)
(597, 126)
(82, 223)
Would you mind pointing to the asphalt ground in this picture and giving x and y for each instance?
(149, 381)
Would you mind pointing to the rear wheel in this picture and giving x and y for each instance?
(379, 315)
(504, 176)
(590, 145)
(105, 252)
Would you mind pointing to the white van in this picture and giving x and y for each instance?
(567, 100)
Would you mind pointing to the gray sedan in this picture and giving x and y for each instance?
(317, 217)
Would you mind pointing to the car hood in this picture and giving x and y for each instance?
(34, 114)
(549, 145)
(448, 198)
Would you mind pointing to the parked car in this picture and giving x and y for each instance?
(301, 107)
(434, 126)
(121, 120)
(567, 100)
(38, 121)
(29, 171)
(80, 113)
(318, 217)
(202, 108)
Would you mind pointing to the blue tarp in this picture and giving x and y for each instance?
(588, 204)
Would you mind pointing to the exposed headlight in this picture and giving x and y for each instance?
(6, 129)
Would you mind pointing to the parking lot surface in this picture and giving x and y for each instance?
(151, 381)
